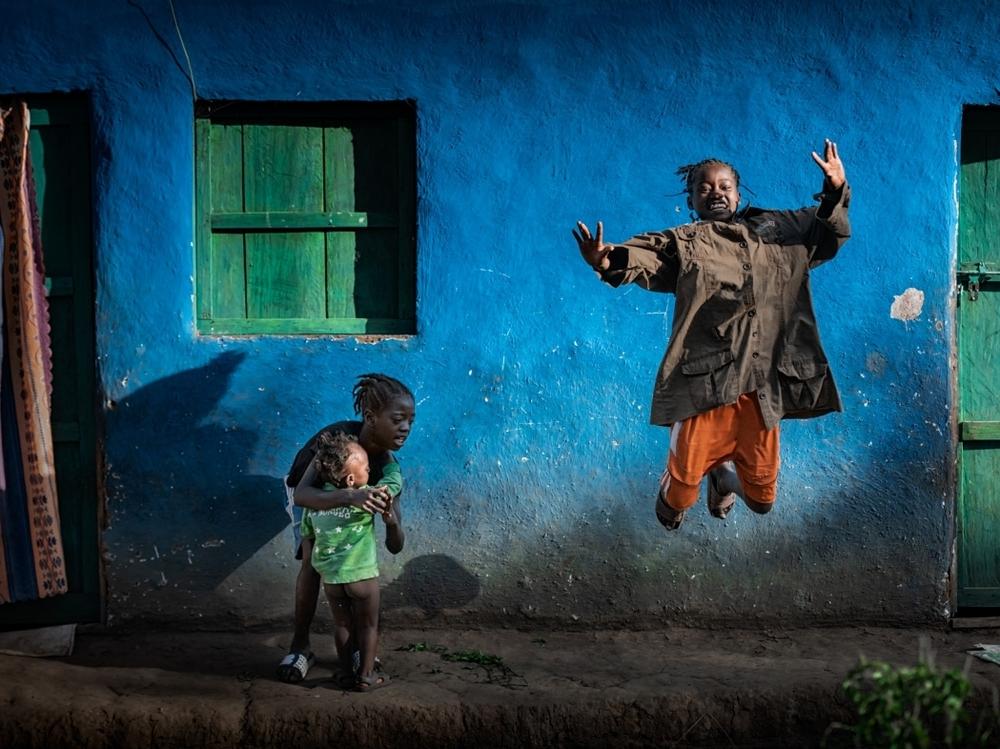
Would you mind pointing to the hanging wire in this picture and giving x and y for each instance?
(194, 89)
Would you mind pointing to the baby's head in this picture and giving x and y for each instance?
(341, 460)
(713, 189)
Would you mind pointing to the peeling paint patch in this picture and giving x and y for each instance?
(907, 306)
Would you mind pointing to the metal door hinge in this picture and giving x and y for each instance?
(972, 275)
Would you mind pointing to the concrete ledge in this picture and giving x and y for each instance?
(675, 687)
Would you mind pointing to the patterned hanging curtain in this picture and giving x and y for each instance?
(31, 551)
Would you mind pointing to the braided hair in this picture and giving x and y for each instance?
(333, 452)
(689, 172)
(373, 392)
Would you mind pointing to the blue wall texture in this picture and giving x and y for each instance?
(532, 468)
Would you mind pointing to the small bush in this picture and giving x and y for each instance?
(916, 707)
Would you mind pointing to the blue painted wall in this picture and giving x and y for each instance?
(532, 467)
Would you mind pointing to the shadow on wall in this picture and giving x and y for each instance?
(183, 513)
(432, 583)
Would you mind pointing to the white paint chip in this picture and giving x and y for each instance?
(908, 305)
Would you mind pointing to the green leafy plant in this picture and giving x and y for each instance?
(911, 707)
(413, 647)
(497, 671)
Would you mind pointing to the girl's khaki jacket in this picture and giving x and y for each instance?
(743, 318)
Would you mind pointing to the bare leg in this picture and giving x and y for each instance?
(306, 595)
(365, 596)
(727, 481)
(343, 625)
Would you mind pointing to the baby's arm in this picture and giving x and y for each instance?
(306, 494)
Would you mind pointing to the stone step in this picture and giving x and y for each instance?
(673, 687)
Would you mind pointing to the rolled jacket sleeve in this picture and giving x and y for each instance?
(823, 229)
(832, 211)
(648, 260)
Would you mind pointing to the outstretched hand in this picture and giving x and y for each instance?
(592, 249)
(833, 168)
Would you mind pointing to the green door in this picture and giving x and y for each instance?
(979, 361)
(60, 157)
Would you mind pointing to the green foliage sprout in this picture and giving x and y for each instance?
(911, 707)
(496, 670)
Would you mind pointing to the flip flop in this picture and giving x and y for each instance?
(669, 518)
(377, 680)
(294, 667)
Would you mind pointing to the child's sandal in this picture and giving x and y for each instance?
(294, 666)
(669, 518)
(377, 680)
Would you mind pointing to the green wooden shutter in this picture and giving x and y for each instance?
(306, 223)
(978, 353)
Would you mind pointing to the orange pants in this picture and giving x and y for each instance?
(734, 432)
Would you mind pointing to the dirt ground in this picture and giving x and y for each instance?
(665, 688)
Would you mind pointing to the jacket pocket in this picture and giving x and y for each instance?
(709, 377)
(697, 258)
(801, 380)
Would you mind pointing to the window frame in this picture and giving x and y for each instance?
(209, 222)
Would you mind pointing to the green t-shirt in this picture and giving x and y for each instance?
(344, 537)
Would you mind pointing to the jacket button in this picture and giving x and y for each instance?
(743, 244)
(755, 355)
(746, 266)
(751, 313)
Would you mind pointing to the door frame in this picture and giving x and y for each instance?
(82, 521)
